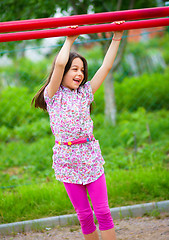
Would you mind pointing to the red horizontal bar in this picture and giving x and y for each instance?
(9, 37)
(42, 23)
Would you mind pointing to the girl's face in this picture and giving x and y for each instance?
(75, 75)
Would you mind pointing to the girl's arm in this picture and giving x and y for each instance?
(59, 66)
(108, 61)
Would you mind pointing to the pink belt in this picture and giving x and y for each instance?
(77, 141)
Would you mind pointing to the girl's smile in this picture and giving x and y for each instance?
(75, 75)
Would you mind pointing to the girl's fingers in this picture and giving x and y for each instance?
(73, 27)
(74, 36)
(119, 22)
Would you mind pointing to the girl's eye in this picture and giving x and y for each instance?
(76, 69)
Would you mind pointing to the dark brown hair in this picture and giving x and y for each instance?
(38, 100)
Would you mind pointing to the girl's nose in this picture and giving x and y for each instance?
(80, 72)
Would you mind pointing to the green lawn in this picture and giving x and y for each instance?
(136, 172)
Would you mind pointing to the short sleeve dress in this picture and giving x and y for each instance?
(69, 112)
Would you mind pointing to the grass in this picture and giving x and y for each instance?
(136, 171)
(50, 199)
(137, 186)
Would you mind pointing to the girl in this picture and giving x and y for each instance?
(77, 159)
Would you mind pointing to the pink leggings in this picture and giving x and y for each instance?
(98, 195)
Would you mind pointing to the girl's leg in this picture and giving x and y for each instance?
(92, 236)
(98, 194)
(78, 196)
(108, 234)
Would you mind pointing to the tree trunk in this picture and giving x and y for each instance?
(110, 106)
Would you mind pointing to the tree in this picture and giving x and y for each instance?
(12, 10)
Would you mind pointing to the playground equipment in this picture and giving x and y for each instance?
(96, 18)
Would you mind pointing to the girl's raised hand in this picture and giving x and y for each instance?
(118, 34)
(73, 37)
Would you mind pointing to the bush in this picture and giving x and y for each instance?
(15, 109)
(147, 91)
(23, 72)
(19, 121)
(33, 131)
(130, 126)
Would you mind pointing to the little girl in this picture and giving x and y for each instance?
(77, 159)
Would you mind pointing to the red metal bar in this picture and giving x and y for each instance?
(8, 37)
(42, 23)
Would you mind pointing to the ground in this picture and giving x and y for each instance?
(142, 228)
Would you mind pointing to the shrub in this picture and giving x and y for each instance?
(147, 91)
(15, 108)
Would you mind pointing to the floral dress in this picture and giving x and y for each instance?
(69, 112)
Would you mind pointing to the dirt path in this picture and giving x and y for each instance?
(142, 228)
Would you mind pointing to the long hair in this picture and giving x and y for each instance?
(38, 100)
